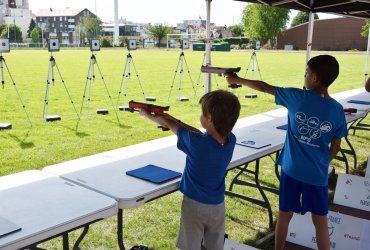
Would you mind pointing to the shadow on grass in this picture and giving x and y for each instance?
(22, 142)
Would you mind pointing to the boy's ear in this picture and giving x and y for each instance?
(209, 118)
(316, 78)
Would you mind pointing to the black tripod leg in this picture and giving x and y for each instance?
(124, 78)
(65, 87)
(191, 80)
(88, 78)
(174, 77)
(106, 88)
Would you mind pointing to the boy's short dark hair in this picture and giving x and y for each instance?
(224, 107)
(326, 67)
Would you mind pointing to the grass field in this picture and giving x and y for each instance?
(154, 224)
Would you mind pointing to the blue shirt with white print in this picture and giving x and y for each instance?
(313, 121)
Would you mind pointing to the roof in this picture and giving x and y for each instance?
(59, 12)
(354, 8)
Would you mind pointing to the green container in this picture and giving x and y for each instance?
(221, 47)
(199, 46)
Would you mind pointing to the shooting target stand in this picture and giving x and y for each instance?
(51, 79)
(2, 64)
(180, 69)
(125, 78)
(253, 64)
(88, 87)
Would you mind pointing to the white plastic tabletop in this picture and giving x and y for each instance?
(44, 206)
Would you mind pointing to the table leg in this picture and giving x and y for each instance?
(358, 125)
(263, 203)
(351, 151)
(65, 241)
(80, 238)
(277, 166)
(120, 229)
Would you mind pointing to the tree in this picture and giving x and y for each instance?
(365, 29)
(237, 29)
(35, 35)
(31, 27)
(265, 23)
(158, 31)
(90, 27)
(302, 17)
(15, 34)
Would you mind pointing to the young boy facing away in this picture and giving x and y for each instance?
(207, 157)
(316, 124)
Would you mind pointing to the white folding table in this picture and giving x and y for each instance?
(45, 206)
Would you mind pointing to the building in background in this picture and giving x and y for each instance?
(16, 12)
(62, 24)
(328, 34)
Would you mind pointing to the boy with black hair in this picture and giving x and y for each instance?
(207, 157)
(316, 124)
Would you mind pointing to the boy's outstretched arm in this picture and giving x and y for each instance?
(334, 147)
(167, 120)
(257, 85)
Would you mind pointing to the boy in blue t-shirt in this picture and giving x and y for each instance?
(207, 157)
(316, 124)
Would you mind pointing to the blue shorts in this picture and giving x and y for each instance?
(299, 197)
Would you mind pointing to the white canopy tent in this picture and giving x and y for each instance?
(352, 8)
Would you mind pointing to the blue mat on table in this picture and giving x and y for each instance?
(154, 174)
(283, 127)
(359, 102)
(8, 227)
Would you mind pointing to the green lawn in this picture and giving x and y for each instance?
(154, 224)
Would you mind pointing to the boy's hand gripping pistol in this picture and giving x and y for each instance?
(136, 106)
(220, 71)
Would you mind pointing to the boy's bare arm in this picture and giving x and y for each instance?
(334, 147)
(257, 85)
(166, 120)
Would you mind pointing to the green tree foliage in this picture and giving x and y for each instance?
(158, 31)
(302, 17)
(31, 27)
(237, 30)
(35, 35)
(106, 41)
(15, 34)
(90, 27)
(265, 23)
(365, 29)
(2, 27)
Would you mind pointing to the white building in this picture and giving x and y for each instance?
(16, 12)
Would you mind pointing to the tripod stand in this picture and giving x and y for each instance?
(51, 79)
(88, 87)
(2, 63)
(180, 63)
(125, 77)
(254, 63)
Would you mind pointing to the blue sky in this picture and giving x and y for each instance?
(223, 12)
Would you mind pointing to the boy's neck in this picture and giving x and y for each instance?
(220, 139)
(322, 91)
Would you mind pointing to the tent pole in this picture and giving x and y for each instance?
(309, 36)
(367, 55)
(116, 29)
(207, 76)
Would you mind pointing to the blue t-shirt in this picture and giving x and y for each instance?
(313, 121)
(203, 179)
